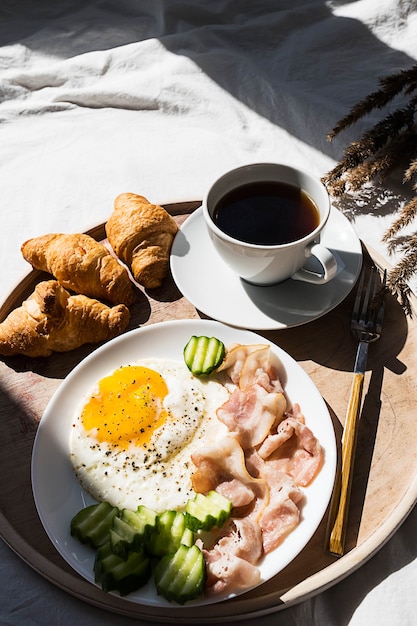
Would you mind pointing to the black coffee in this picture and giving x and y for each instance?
(269, 213)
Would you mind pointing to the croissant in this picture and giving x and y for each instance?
(52, 320)
(141, 235)
(81, 264)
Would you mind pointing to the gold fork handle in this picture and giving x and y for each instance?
(340, 505)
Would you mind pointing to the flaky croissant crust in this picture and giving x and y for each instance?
(80, 264)
(141, 235)
(52, 320)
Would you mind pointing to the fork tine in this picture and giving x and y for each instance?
(366, 309)
(357, 303)
(380, 302)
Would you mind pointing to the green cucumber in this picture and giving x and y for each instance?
(180, 577)
(123, 575)
(169, 533)
(203, 355)
(142, 520)
(127, 542)
(92, 524)
(131, 530)
(207, 511)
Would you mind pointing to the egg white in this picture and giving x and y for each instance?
(158, 476)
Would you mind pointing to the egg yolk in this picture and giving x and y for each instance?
(127, 407)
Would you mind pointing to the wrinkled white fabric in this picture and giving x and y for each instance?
(160, 97)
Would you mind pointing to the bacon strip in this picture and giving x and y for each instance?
(251, 364)
(229, 572)
(282, 514)
(240, 494)
(243, 539)
(258, 368)
(250, 414)
(295, 450)
(225, 463)
(231, 563)
(235, 358)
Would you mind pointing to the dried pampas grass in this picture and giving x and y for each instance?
(390, 143)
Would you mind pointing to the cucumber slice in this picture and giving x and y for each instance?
(93, 523)
(142, 520)
(131, 530)
(180, 577)
(123, 538)
(206, 511)
(123, 575)
(169, 533)
(203, 355)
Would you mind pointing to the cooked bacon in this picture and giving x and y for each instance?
(237, 492)
(231, 563)
(295, 450)
(225, 463)
(235, 359)
(229, 572)
(243, 538)
(257, 368)
(282, 514)
(296, 413)
(279, 519)
(249, 364)
(259, 466)
(250, 414)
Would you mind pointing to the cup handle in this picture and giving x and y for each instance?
(327, 262)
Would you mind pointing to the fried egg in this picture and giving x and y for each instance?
(131, 443)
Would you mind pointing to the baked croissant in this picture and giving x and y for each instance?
(141, 235)
(81, 264)
(52, 320)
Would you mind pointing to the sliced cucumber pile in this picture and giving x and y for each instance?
(131, 546)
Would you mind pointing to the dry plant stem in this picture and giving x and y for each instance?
(373, 140)
(411, 171)
(407, 214)
(366, 172)
(377, 166)
(384, 147)
(406, 267)
(391, 86)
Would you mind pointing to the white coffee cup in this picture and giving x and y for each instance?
(270, 263)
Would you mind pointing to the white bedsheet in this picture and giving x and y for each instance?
(159, 97)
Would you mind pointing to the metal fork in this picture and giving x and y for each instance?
(366, 327)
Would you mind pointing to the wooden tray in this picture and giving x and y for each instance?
(385, 483)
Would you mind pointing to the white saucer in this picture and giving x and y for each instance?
(208, 283)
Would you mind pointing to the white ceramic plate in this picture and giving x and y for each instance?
(211, 286)
(57, 493)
